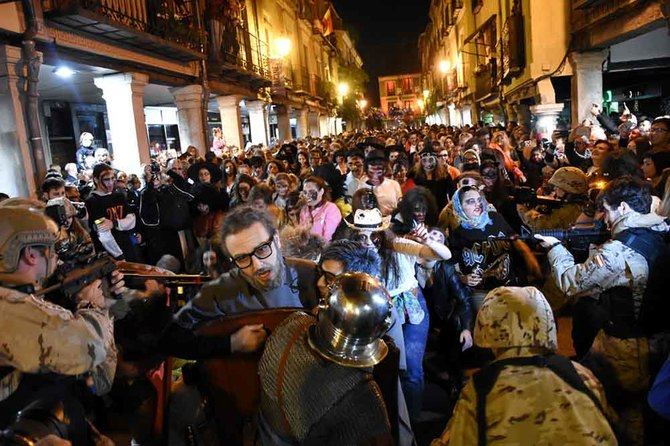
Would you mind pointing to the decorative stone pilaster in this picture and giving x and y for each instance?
(258, 122)
(123, 95)
(586, 83)
(189, 101)
(231, 119)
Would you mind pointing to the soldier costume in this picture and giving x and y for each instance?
(40, 341)
(316, 386)
(534, 397)
(620, 344)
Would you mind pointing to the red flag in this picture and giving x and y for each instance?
(327, 22)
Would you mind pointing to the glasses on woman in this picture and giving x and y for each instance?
(262, 251)
(328, 277)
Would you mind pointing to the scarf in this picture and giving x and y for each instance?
(479, 222)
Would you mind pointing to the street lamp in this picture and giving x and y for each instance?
(362, 103)
(421, 104)
(444, 66)
(342, 89)
(282, 47)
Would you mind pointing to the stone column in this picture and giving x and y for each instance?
(189, 115)
(586, 84)
(16, 166)
(258, 122)
(314, 124)
(545, 118)
(303, 124)
(323, 125)
(231, 119)
(339, 128)
(283, 122)
(123, 95)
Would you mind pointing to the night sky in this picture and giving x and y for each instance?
(386, 34)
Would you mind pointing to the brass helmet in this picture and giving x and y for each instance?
(352, 321)
(515, 317)
(22, 226)
(570, 179)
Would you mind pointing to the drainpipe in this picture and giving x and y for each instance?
(203, 79)
(32, 61)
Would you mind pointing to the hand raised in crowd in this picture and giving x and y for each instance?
(248, 339)
(147, 173)
(91, 294)
(466, 340)
(419, 233)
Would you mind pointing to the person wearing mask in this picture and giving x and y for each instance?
(241, 190)
(386, 190)
(399, 257)
(323, 214)
(483, 262)
(399, 172)
(111, 222)
(209, 204)
(356, 176)
(434, 177)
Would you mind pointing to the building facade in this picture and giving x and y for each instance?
(530, 61)
(400, 92)
(141, 73)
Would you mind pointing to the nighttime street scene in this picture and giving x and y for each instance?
(334, 222)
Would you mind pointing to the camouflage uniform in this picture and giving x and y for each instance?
(40, 337)
(563, 217)
(527, 405)
(610, 265)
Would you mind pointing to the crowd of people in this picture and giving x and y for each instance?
(454, 226)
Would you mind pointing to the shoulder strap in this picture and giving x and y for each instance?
(485, 379)
(643, 241)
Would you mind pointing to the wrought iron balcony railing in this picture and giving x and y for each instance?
(166, 27)
(234, 48)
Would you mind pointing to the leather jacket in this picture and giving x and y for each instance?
(450, 297)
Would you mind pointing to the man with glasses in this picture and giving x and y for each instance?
(659, 135)
(261, 278)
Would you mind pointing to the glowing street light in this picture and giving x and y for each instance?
(421, 104)
(282, 47)
(426, 93)
(362, 103)
(343, 89)
(64, 72)
(444, 66)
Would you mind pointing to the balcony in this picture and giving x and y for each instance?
(237, 54)
(166, 29)
(486, 80)
(588, 13)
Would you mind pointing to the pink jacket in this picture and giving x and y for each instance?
(323, 219)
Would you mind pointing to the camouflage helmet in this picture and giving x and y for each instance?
(570, 179)
(515, 317)
(22, 226)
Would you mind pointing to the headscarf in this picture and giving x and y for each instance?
(479, 222)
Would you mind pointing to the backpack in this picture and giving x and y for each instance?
(485, 379)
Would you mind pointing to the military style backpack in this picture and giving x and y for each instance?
(485, 379)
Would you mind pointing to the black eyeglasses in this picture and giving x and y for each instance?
(328, 277)
(262, 251)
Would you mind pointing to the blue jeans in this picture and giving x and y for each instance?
(416, 337)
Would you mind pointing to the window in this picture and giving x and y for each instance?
(390, 88)
(407, 85)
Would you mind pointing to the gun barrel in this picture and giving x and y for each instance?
(170, 279)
